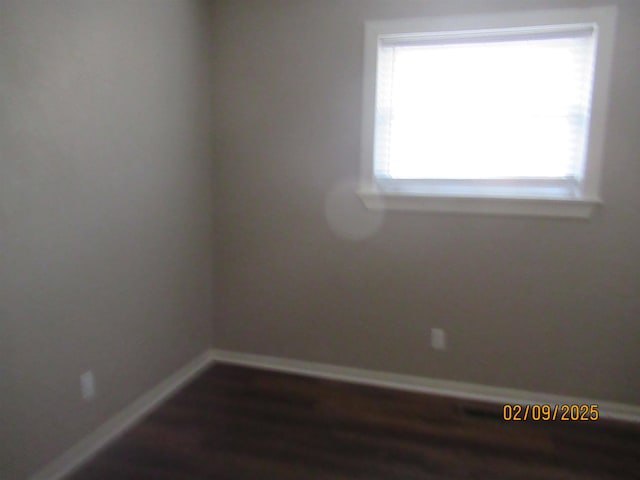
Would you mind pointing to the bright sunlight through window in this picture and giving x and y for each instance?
(493, 113)
(501, 109)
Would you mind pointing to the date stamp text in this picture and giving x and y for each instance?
(571, 412)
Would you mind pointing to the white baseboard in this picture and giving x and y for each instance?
(80, 453)
(467, 391)
(84, 450)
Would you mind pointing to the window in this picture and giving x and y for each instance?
(495, 114)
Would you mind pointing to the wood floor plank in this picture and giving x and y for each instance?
(248, 424)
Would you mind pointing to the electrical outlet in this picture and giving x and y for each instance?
(438, 339)
(87, 385)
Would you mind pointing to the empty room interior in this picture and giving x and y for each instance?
(319, 239)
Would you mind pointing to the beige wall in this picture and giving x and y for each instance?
(540, 304)
(105, 225)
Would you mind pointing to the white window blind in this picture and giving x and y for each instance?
(505, 107)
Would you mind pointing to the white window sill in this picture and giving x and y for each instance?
(483, 205)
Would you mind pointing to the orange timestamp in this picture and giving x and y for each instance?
(572, 412)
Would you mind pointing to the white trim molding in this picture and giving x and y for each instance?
(374, 199)
(109, 431)
(84, 450)
(412, 383)
(576, 196)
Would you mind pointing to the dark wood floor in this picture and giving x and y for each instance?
(236, 423)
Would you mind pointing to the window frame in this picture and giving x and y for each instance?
(475, 200)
